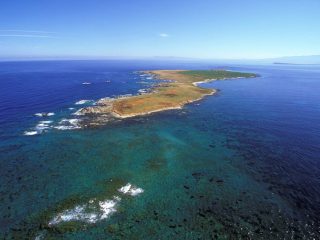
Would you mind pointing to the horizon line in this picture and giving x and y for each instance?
(49, 58)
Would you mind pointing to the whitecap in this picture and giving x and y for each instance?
(108, 207)
(68, 124)
(105, 99)
(94, 210)
(91, 212)
(65, 127)
(46, 122)
(78, 112)
(30, 133)
(142, 90)
(71, 108)
(83, 102)
(39, 128)
(86, 83)
(42, 126)
(73, 121)
(44, 114)
(78, 213)
(131, 190)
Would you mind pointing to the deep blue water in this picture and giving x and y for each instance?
(242, 164)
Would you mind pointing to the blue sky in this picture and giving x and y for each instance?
(227, 29)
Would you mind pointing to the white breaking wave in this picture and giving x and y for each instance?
(83, 102)
(65, 127)
(71, 108)
(30, 133)
(44, 114)
(105, 99)
(68, 124)
(43, 125)
(78, 112)
(142, 90)
(74, 121)
(94, 210)
(46, 122)
(131, 190)
(39, 128)
(76, 214)
(86, 83)
(91, 212)
(108, 207)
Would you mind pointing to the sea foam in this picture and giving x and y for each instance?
(43, 125)
(91, 212)
(44, 114)
(39, 128)
(131, 190)
(30, 133)
(68, 124)
(142, 91)
(94, 210)
(78, 112)
(45, 122)
(83, 102)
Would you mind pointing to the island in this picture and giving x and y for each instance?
(178, 88)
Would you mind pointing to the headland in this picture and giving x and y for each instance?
(180, 88)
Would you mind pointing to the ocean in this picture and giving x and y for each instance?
(241, 164)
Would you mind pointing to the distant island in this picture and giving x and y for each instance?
(285, 63)
(297, 60)
(182, 88)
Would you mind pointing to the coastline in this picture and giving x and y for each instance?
(160, 109)
(181, 89)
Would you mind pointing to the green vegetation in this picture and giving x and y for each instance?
(180, 91)
(218, 74)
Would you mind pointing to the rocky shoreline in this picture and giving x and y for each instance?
(175, 94)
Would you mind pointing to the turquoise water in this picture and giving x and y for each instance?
(243, 164)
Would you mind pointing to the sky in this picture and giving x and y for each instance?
(205, 29)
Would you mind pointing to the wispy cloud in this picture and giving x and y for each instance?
(163, 35)
(15, 33)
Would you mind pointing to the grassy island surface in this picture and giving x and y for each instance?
(181, 89)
